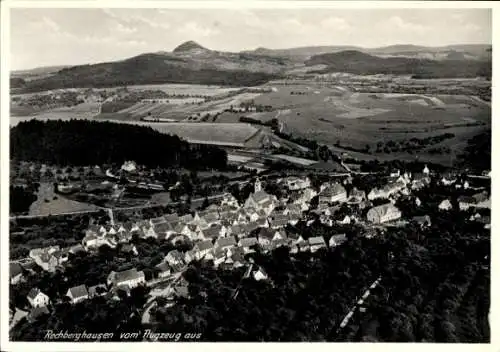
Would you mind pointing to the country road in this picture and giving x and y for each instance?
(365, 295)
(146, 316)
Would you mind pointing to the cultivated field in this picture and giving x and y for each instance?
(334, 114)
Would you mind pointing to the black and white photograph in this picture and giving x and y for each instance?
(285, 173)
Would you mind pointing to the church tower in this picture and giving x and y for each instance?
(257, 186)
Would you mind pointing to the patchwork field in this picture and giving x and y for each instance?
(335, 115)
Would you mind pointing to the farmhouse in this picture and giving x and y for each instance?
(16, 273)
(333, 193)
(356, 196)
(260, 274)
(225, 243)
(316, 243)
(294, 183)
(265, 236)
(383, 213)
(77, 294)
(49, 258)
(337, 240)
(445, 205)
(163, 269)
(448, 179)
(203, 248)
(479, 200)
(174, 258)
(37, 298)
(247, 243)
(130, 278)
(422, 221)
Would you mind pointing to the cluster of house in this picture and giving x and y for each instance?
(226, 232)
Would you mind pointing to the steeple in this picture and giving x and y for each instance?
(257, 186)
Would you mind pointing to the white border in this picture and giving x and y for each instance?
(4, 173)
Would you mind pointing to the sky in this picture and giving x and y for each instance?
(46, 37)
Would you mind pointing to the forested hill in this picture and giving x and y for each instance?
(81, 142)
(155, 69)
(356, 62)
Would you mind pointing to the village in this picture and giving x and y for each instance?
(226, 233)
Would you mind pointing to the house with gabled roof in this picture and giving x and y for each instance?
(77, 294)
(260, 274)
(237, 258)
(130, 278)
(149, 231)
(445, 205)
(225, 243)
(337, 240)
(163, 270)
(171, 217)
(293, 209)
(383, 213)
(333, 193)
(211, 218)
(189, 256)
(447, 179)
(356, 196)
(422, 221)
(230, 200)
(164, 228)
(218, 256)
(16, 273)
(280, 235)
(174, 257)
(203, 248)
(212, 233)
(187, 218)
(236, 230)
(199, 221)
(265, 236)
(278, 221)
(250, 227)
(262, 222)
(315, 243)
(37, 298)
(158, 220)
(247, 244)
(77, 248)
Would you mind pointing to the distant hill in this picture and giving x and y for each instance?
(188, 46)
(357, 62)
(470, 51)
(192, 63)
(37, 71)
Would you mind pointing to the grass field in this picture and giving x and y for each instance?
(46, 204)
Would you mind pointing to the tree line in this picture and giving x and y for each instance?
(81, 142)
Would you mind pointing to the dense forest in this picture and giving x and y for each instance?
(80, 142)
(21, 198)
(477, 153)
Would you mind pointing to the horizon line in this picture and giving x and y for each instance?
(246, 50)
